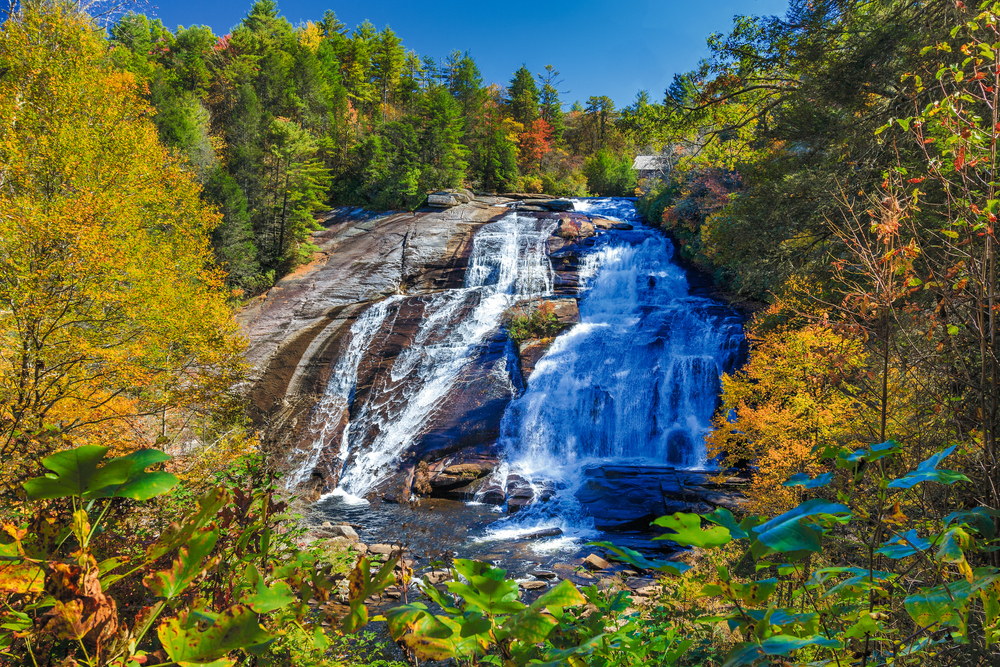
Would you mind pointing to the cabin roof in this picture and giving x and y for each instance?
(648, 162)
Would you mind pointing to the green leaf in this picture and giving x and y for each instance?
(788, 532)
(140, 485)
(77, 472)
(906, 545)
(927, 472)
(981, 519)
(632, 557)
(262, 599)
(564, 594)
(189, 565)
(687, 531)
(802, 479)
(204, 637)
(362, 585)
(747, 654)
(940, 605)
(177, 534)
(725, 518)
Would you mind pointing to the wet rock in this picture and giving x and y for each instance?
(624, 226)
(342, 531)
(623, 498)
(492, 494)
(595, 562)
(636, 583)
(384, 549)
(436, 577)
(529, 353)
(548, 532)
(532, 585)
(602, 223)
(543, 574)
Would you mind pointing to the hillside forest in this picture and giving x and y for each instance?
(832, 170)
(280, 122)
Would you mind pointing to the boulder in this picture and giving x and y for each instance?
(602, 223)
(543, 574)
(342, 531)
(436, 577)
(622, 226)
(442, 200)
(532, 585)
(529, 352)
(595, 562)
(548, 532)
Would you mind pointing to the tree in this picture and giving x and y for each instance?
(535, 142)
(522, 97)
(600, 114)
(549, 106)
(109, 307)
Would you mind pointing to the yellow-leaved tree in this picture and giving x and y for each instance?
(112, 316)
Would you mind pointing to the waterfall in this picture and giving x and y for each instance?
(508, 263)
(637, 380)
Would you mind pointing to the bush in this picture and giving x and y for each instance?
(541, 323)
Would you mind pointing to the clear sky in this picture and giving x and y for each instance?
(601, 47)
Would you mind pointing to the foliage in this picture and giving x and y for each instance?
(110, 309)
(540, 323)
(608, 175)
(279, 121)
(227, 578)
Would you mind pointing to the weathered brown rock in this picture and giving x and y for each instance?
(595, 562)
(532, 585)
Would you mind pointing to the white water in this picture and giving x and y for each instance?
(636, 380)
(508, 264)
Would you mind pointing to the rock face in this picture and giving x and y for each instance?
(298, 329)
(301, 329)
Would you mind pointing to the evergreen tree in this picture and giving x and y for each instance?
(549, 106)
(522, 96)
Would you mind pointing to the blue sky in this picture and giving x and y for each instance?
(600, 47)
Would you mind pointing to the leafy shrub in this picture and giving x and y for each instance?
(540, 323)
(227, 578)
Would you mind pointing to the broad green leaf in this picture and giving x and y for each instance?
(190, 564)
(747, 654)
(530, 626)
(632, 557)
(906, 545)
(204, 637)
(942, 605)
(687, 531)
(980, 518)
(262, 599)
(77, 472)
(564, 594)
(953, 546)
(789, 532)
(362, 585)
(927, 472)
(802, 479)
(177, 534)
(433, 637)
(140, 485)
(725, 518)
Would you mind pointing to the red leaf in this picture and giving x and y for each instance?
(960, 160)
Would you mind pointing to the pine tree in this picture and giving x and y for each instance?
(522, 96)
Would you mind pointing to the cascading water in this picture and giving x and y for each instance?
(636, 381)
(508, 263)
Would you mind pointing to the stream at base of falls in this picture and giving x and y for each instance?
(613, 414)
